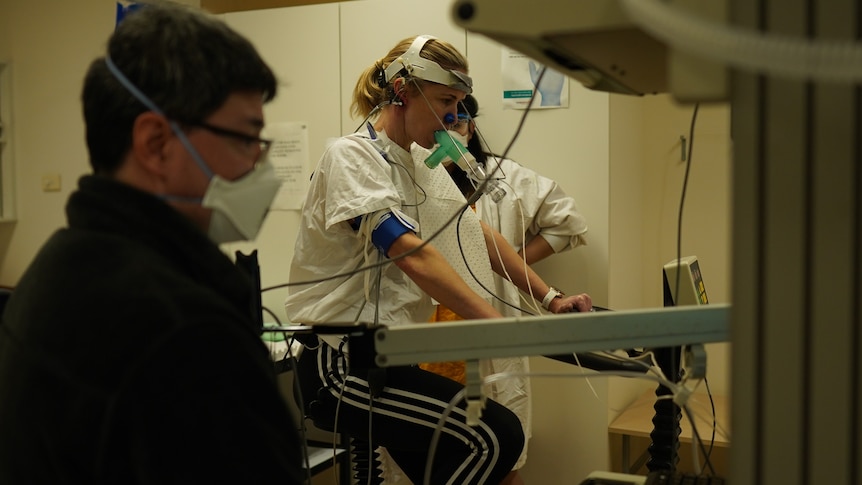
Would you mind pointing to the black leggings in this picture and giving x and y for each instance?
(406, 408)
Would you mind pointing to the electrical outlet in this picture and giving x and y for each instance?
(51, 182)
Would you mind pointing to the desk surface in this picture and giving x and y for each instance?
(636, 420)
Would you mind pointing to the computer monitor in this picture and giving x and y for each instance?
(685, 275)
(683, 285)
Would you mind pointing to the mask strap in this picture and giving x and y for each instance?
(146, 101)
(417, 66)
(403, 61)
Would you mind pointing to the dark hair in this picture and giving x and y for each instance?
(186, 61)
(470, 107)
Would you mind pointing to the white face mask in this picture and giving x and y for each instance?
(461, 138)
(240, 206)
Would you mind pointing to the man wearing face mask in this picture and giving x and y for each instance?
(128, 353)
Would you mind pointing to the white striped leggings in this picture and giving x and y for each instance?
(406, 410)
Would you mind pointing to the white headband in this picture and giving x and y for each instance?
(426, 69)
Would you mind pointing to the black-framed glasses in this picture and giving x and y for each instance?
(262, 144)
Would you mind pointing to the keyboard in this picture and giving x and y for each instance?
(678, 478)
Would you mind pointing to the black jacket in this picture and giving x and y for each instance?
(128, 355)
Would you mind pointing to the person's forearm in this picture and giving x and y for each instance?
(536, 250)
(505, 260)
(433, 274)
(503, 256)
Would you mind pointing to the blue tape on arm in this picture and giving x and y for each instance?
(387, 231)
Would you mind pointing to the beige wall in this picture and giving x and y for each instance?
(646, 172)
(49, 46)
(49, 49)
(706, 228)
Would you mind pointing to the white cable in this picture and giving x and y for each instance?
(435, 437)
(337, 412)
(301, 406)
(679, 394)
(695, 452)
(782, 55)
(708, 417)
(589, 383)
(501, 376)
(532, 303)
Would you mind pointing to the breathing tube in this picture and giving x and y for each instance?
(448, 148)
(779, 55)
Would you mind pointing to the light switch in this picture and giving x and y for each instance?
(51, 182)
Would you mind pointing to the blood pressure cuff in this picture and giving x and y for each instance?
(386, 227)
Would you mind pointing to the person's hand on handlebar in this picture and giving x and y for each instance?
(571, 303)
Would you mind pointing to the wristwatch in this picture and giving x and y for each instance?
(552, 293)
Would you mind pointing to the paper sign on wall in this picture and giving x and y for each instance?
(520, 75)
(289, 156)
